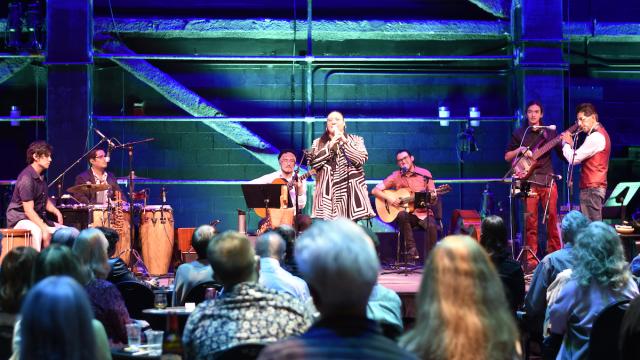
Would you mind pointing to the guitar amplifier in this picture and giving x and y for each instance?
(77, 217)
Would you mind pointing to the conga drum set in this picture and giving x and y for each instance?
(154, 222)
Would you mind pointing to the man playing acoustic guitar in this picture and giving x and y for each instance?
(539, 176)
(415, 179)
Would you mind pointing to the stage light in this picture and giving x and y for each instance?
(443, 112)
(474, 113)
(33, 17)
(14, 25)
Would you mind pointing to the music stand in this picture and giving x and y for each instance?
(263, 196)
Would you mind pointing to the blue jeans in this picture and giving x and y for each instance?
(591, 201)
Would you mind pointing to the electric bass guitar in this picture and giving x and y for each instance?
(388, 213)
(523, 166)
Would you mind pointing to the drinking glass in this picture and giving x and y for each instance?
(134, 334)
(160, 300)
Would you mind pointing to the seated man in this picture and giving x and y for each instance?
(287, 160)
(29, 202)
(271, 247)
(415, 179)
(339, 262)
(246, 312)
(198, 271)
(119, 271)
(535, 302)
(97, 174)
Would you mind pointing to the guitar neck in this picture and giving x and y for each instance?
(549, 145)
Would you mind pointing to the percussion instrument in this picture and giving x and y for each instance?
(88, 187)
(157, 238)
(12, 238)
(120, 221)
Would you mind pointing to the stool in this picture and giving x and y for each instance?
(12, 238)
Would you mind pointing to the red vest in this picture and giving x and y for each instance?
(594, 169)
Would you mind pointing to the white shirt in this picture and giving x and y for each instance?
(594, 143)
(273, 276)
(269, 178)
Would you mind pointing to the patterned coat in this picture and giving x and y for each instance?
(340, 187)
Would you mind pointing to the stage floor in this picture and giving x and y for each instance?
(406, 286)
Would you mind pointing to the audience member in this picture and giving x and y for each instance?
(65, 236)
(462, 312)
(118, 270)
(288, 233)
(15, 280)
(198, 271)
(600, 277)
(494, 240)
(57, 323)
(271, 248)
(535, 303)
(245, 312)
(338, 261)
(630, 332)
(384, 305)
(107, 303)
(58, 260)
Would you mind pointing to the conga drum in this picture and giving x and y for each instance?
(157, 238)
(12, 238)
(100, 216)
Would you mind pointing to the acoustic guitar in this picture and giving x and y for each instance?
(262, 212)
(388, 213)
(523, 166)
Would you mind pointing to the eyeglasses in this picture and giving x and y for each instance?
(99, 157)
(402, 159)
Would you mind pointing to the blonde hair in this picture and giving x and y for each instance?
(91, 249)
(462, 311)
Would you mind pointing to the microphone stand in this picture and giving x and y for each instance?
(71, 166)
(295, 178)
(349, 166)
(570, 170)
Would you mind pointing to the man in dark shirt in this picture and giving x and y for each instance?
(29, 203)
(97, 174)
(540, 180)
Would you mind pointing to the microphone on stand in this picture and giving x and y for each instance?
(557, 177)
(103, 136)
(403, 170)
(107, 157)
(163, 196)
(550, 127)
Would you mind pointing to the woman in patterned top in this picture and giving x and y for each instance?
(338, 159)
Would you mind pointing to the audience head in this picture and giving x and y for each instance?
(572, 224)
(112, 237)
(56, 321)
(58, 259)
(630, 332)
(65, 236)
(494, 236)
(339, 262)
(462, 311)
(91, 249)
(232, 259)
(288, 233)
(201, 239)
(599, 257)
(270, 245)
(15, 277)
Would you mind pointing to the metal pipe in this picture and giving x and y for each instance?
(22, 119)
(312, 59)
(239, 182)
(295, 120)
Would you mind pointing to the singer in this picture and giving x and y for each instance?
(593, 154)
(542, 188)
(338, 159)
(97, 174)
(416, 179)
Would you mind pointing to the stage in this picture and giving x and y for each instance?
(406, 286)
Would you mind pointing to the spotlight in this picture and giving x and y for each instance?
(14, 25)
(474, 113)
(33, 17)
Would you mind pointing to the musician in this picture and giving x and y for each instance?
(540, 179)
(287, 160)
(416, 179)
(593, 154)
(30, 202)
(97, 174)
(338, 159)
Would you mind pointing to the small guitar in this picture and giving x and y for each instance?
(261, 212)
(523, 166)
(387, 212)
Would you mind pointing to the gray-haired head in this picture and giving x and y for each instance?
(572, 224)
(599, 257)
(339, 262)
(65, 236)
(270, 245)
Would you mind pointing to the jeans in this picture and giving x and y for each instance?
(591, 201)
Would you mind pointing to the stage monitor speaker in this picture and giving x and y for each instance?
(624, 200)
(466, 222)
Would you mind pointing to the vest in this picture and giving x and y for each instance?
(594, 169)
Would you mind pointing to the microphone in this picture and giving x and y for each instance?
(107, 157)
(103, 136)
(163, 194)
(403, 170)
(550, 127)
(557, 177)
